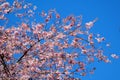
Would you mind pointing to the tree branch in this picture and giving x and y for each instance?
(4, 65)
(27, 51)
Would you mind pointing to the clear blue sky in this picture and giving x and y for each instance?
(108, 13)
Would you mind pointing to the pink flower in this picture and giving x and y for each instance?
(60, 35)
(57, 16)
(25, 26)
(67, 27)
(5, 4)
(39, 27)
(114, 56)
(100, 39)
(90, 37)
(89, 25)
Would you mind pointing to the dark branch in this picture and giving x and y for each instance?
(4, 65)
(27, 51)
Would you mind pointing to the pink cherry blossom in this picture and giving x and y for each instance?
(5, 4)
(54, 48)
(114, 56)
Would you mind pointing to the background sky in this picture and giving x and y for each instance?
(108, 24)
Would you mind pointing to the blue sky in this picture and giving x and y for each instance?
(108, 24)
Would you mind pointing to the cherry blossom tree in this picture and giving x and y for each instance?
(54, 49)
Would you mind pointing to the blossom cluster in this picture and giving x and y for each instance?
(55, 49)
